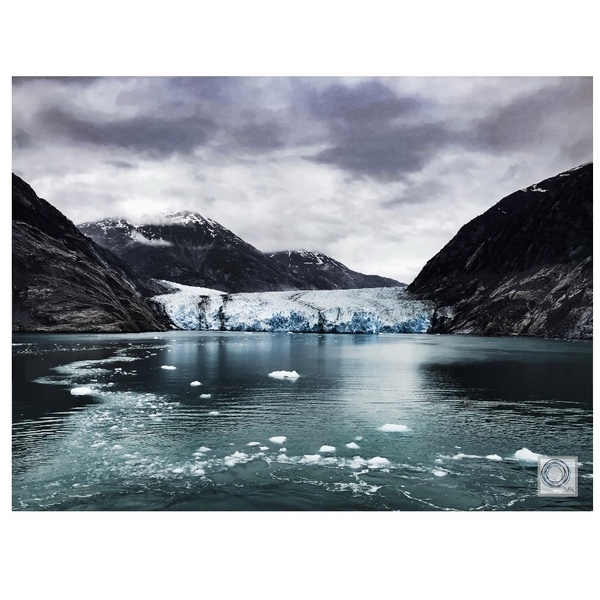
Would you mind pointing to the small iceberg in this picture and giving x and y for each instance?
(393, 427)
(439, 472)
(527, 455)
(253, 444)
(194, 383)
(278, 439)
(326, 448)
(493, 457)
(377, 462)
(205, 395)
(213, 413)
(168, 367)
(81, 391)
(352, 446)
(284, 374)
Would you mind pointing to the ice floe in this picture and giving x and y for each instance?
(82, 391)
(527, 455)
(253, 444)
(493, 457)
(195, 383)
(284, 374)
(213, 413)
(310, 459)
(278, 439)
(352, 446)
(326, 448)
(263, 448)
(439, 472)
(378, 462)
(393, 427)
(168, 367)
(205, 396)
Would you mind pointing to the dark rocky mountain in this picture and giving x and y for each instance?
(524, 267)
(187, 248)
(324, 273)
(63, 282)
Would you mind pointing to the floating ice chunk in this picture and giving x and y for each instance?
(438, 461)
(359, 438)
(198, 472)
(493, 457)
(283, 458)
(357, 463)
(310, 459)
(527, 455)
(117, 447)
(278, 439)
(327, 448)
(461, 455)
(177, 470)
(235, 458)
(194, 383)
(205, 396)
(393, 427)
(263, 448)
(203, 449)
(439, 472)
(213, 413)
(352, 446)
(282, 449)
(253, 444)
(377, 462)
(168, 367)
(284, 374)
(82, 391)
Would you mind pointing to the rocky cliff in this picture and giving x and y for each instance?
(524, 267)
(63, 282)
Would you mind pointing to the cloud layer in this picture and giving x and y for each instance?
(378, 173)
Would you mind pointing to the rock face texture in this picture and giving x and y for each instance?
(187, 248)
(524, 267)
(63, 282)
(320, 272)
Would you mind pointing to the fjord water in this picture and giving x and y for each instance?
(100, 424)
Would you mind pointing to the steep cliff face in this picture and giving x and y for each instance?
(524, 267)
(322, 272)
(187, 248)
(64, 282)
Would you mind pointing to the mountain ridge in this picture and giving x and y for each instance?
(523, 267)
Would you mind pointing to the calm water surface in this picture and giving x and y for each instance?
(143, 438)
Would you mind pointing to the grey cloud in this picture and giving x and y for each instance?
(151, 135)
(387, 153)
(417, 194)
(366, 102)
(534, 119)
(374, 132)
(69, 81)
(120, 164)
(260, 136)
(21, 139)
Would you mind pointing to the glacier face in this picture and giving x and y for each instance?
(372, 310)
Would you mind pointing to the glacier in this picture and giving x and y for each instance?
(368, 310)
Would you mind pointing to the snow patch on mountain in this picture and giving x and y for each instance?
(369, 310)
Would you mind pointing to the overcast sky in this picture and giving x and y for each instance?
(378, 173)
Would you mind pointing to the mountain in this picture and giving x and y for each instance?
(324, 273)
(187, 248)
(524, 267)
(63, 282)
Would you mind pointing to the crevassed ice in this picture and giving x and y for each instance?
(373, 310)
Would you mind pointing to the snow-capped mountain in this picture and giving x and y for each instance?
(322, 272)
(375, 310)
(524, 267)
(188, 248)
